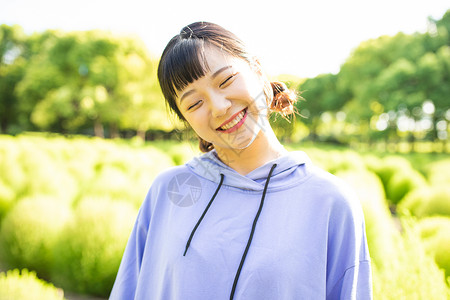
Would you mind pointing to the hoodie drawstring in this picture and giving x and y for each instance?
(250, 238)
(203, 215)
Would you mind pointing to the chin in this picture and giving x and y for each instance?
(247, 142)
(240, 143)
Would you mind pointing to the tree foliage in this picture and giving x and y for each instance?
(12, 65)
(390, 88)
(393, 78)
(79, 82)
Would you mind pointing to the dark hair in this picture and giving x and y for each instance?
(182, 62)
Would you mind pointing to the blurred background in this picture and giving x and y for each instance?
(84, 128)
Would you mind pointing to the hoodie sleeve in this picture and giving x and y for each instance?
(355, 284)
(348, 267)
(128, 274)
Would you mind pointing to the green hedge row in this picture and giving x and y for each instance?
(399, 253)
(67, 206)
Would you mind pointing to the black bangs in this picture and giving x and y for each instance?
(187, 63)
(181, 65)
(183, 60)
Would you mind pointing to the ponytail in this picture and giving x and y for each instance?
(283, 99)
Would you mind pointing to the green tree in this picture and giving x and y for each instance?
(84, 80)
(12, 65)
(398, 75)
(322, 95)
(369, 68)
(39, 77)
(140, 86)
(439, 87)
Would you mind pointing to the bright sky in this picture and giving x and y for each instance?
(299, 37)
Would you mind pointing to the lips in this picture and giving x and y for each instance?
(234, 122)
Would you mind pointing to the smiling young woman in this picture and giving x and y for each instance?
(247, 219)
(223, 82)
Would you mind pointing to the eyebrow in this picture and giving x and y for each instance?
(214, 75)
(219, 71)
(186, 94)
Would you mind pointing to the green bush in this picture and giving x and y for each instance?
(386, 167)
(402, 182)
(380, 228)
(435, 233)
(30, 167)
(438, 173)
(345, 160)
(334, 160)
(372, 162)
(88, 254)
(11, 172)
(426, 201)
(410, 273)
(182, 152)
(144, 167)
(126, 174)
(7, 197)
(45, 175)
(112, 182)
(72, 171)
(71, 168)
(16, 285)
(29, 232)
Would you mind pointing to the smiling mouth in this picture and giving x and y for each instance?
(235, 123)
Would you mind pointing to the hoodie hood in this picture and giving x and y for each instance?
(209, 166)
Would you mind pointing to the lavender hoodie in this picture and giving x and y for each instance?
(287, 230)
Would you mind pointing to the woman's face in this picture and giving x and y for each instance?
(227, 107)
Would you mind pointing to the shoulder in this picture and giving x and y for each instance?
(328, 183)
(169, 174)
(334, 191)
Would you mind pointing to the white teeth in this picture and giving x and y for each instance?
(234, 121)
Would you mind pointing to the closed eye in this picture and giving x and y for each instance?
(227, 80)
(193, 105)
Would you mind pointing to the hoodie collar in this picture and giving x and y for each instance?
(210, 167)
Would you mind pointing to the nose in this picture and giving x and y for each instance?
(219, 106)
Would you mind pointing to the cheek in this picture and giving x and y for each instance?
(198, 122)
(250, 89)
(256, 93)
(192, 121)
(255, 86)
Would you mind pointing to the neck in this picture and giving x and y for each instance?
(264, 148)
